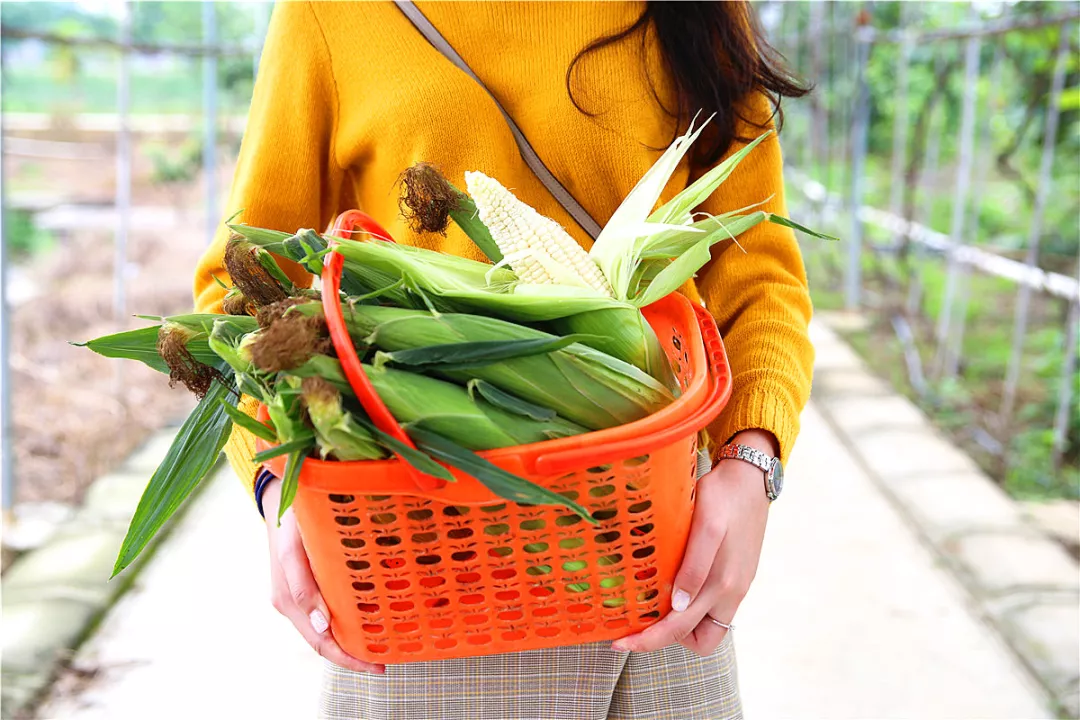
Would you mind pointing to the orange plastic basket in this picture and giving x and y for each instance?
(414, 570)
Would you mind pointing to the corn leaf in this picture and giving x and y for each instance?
(412, 456)
(291, 481)
(508, 402)
(190, 457)
(672, 277)
(138, 345)
(450, 357)
(301, 443)
(786, 222)
(253, 426)
(466, 217)
(672, 245)
(677, 210)
(504, 484)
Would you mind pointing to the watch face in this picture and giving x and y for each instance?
(777, 476)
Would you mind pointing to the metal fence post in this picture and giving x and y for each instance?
(209, 67)
(860, 136)
(818, 122)
(1023, 301)
(959, 210)
(7, 430)
(123, 171)
(1065, 391)
(900, 123)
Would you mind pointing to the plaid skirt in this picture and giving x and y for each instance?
(581, 682)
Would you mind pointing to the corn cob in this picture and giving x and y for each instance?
(537, 248)
(578, 382)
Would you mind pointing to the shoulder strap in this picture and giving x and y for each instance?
(561, 194)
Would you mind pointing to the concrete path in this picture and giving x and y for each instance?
(850, 618)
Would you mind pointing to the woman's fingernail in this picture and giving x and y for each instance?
(680, 600)
(318, 621)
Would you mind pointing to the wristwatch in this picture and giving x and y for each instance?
(771, 466)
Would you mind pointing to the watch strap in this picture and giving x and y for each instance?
(757, 458)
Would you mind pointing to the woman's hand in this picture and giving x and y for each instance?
(721, 555)
(292, 586)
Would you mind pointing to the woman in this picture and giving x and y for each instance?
(350, 94)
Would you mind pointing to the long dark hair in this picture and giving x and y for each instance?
(716, 55)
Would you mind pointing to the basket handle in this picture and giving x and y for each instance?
(344, 226)
(719, 392)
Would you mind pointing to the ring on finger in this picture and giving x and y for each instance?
(727, 626)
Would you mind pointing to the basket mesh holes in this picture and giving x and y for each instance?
(393, 563)
(429, 559)
(647, 595)
(373, 629)
(411, 647)
(383, 518)
(472, 599)
(599, 469)
(571, 494)
(651, 615)
(546, 611)
(342, 499)
(377, 498)
(406, 627)
(497, 529)
(643, 552)
(617, 602)
(468, 578)
(434, 603)
(456, 510)
(578, 587)
(425, 538)
(478, 639)
(608, 537)
(363, 586)
(582, 628)
(601, 491)
(402, 606)
(367, 607)
(432, 582)
(542, 591)
(353, 543)
(397, 585)
(640, 507)
(539, 570)
(578, 608)
(420, 515)
(645, 574)
(445, 643)
(504, 573)
(567, 520)
(463, 556)
(574, 565)
(635, 461)
(357, 564)
(571, 543)
(537, 547)
(501, 552)
(548, 632)
(638, 484)
(460, 533)
(612, 582)
(642, 529)
(538, 524)
(605, 515)
(507, 595)
(511, 615)
(616, 623)
(476, 619)
(493, 508)
(388, 541)
(378, 648)
(609, 560)
(442, 623)
(513, 635)
(347, 520)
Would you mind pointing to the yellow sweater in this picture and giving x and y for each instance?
(349, 94)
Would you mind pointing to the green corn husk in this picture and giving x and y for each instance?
(443, 408)
(336, 431)
(578, 382)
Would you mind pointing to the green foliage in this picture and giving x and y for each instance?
(22, 236)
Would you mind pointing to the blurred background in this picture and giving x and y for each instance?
(942, 144)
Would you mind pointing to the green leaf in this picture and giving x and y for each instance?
(508, 402)
(778, 220)
(141, 345)
(291, 481)
(459, 356)
(301, 443)
(504, 484)
(259, 236)
(672, 277)
(467, 218)
(190, 457)
(249, 423)
(413, 457)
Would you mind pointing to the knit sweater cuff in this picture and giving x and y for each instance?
(762, 407)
